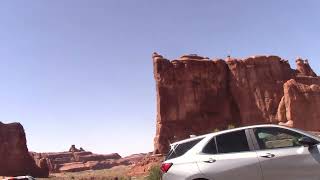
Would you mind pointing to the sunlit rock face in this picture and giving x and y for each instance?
(301, 102)
(196, 95)
(76, 160)
(15, 159)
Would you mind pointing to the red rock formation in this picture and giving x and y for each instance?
(95, 157)
(300, 105)
(304, 69)
(145, 164)
(74, 161)
(134, 158)
(192, 95)
(256, 84)
(55, 160)
(73, 149)
(14, 156)
(195, 95)
(74, 167)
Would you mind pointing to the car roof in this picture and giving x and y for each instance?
(226, 131)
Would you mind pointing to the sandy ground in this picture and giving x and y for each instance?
(105, 174)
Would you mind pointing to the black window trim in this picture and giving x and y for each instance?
(249, 140)
(199, 139)
(254, 140)
(215, 142)
(256, 144)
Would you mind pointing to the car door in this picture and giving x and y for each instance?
(229, 156)
(282, 157)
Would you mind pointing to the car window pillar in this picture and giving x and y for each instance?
(254, 140)
(250, 140)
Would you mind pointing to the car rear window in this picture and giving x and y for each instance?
(180, 149)
(232, 142)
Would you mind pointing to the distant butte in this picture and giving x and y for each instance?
(76, 160)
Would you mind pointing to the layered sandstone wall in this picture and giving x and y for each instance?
(256, 84)
(192, 95)
(196, 95)
(15, 159)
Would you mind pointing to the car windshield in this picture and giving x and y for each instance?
(180, 149)
(313, 135)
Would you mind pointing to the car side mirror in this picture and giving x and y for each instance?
(306, 141)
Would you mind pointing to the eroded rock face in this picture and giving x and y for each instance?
(192, 95)
(15, 159)
(303, 68)
(196, 95)
(301, 102)
(256, 84)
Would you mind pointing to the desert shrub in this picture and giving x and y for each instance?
(154, 173)
(231, 126)
(216, 130)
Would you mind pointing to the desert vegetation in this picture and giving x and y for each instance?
(116, 173)
(154, 173)
(119, 173)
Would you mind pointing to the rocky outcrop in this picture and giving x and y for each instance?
(300, 104)
(74, 149)
(145, 164)
(76, 160)
(304, 69)
(196, 95)
(134, 158)
(95, 157)
(14, 157)
(256, 84)
(192, 95)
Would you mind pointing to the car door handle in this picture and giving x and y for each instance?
(268, 155)
(210, 160)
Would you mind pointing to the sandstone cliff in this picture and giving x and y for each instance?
(14, 156)
(195, 95)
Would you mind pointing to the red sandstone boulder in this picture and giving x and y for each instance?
(15, 159)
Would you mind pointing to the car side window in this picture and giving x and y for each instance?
(273, 138)
(211, 147)
(232, 142)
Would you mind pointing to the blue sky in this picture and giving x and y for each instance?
(80, 71)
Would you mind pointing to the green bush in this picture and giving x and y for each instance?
(154, 173)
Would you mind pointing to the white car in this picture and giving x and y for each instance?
(19, 178)
(261, 152)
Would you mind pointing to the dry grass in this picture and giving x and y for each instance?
(106, 174)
